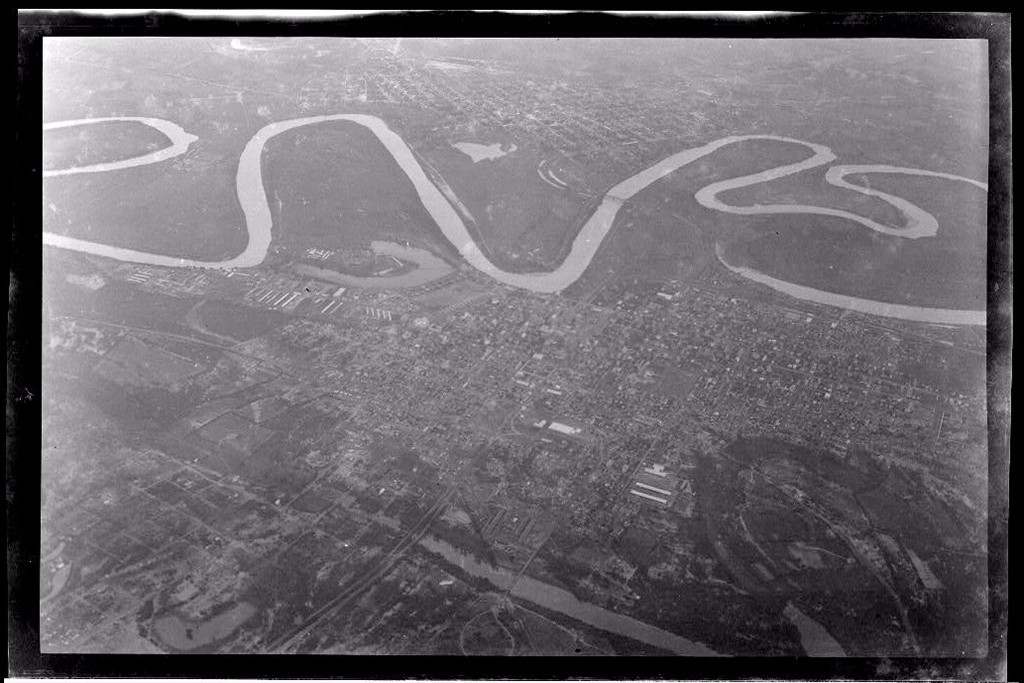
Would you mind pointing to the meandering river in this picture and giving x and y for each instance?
(938, 316)
(180, 141)
(253, 199)
(562, 601)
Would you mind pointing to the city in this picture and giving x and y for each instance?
(373, 441)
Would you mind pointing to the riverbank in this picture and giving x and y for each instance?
(253, 200)
(180, 141)
(562, 601)
(938, 316)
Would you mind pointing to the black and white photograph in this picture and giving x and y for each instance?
(658, 343)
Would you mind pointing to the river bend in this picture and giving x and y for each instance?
(253, 200)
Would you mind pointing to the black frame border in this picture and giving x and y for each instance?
(25, 322)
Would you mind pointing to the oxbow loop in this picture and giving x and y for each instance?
(918, 223)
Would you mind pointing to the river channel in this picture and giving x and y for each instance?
(253, 200)
(935, 316)
(562, 601)
(180, 141)
(816, 641)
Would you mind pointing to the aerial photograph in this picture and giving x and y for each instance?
(539, 346)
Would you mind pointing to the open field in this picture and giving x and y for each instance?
(945, 271)
(238, 322)
(116, 303)
(186, 207)
(183, 207)
(521, 222)
(335, 185)
(663, 232)
(840, 257)
(99, 143)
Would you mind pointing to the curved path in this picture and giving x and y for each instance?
(252, 197)
(180, 141)
(937, 316)
(919, 223)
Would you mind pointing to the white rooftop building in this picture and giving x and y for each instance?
(564, 429)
